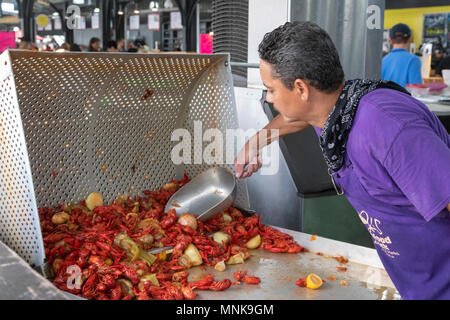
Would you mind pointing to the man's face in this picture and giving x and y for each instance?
(286, 101)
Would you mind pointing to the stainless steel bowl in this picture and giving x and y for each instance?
(207, 194)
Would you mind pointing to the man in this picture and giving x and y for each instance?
(437, 57)
(111, 46)
(387, 153)
(399, 65)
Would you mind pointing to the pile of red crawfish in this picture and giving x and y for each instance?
(109, 246)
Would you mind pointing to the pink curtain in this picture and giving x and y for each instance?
(7, 40)
(206, 43)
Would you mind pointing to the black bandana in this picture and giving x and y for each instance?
(333, 139)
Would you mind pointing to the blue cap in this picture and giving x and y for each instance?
(400, 30)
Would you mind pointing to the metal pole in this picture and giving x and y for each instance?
(198, 25)
(244, 64)
(67, 31)
(28, 20)
(106, 20)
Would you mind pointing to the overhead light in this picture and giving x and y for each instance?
(15, 29)
(78, 1)
(97, 10)
(168, 4)
(154, 5)
(136, 11)
(55, 14)
(211, 33)
(120, 13)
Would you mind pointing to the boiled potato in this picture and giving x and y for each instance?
(221, 236)
(194, 255)
(220, 266)
(94, 200)
(236, 259)
(60, 218)
(254, 242)
(226, 217)
(187, 219)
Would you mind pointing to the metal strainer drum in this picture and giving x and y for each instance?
(75, 123)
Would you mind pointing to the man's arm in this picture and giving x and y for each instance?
(250, 153)
(448, 206)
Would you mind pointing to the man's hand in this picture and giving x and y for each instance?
(448, 207)
(249, 156)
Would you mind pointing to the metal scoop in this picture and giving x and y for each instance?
(207, 194)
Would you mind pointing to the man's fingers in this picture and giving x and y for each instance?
(260, 163)
(250, 170)
(239, 164)
(239, 169)
(247, 162)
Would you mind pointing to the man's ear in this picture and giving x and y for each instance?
(301, 88)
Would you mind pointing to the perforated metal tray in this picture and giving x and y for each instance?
(75, 123)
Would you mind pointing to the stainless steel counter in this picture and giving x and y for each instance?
(366, 278)
(439, 109)
(432, 102)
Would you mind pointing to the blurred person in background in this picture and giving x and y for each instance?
(111, 46)
(121, 45)
(74, 47)
(437, 56)
(141, 46)
(400, 66)
(25, 45)
(131, 47)
(64, 47)
(94, 45)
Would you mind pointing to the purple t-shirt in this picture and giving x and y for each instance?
(397, 177)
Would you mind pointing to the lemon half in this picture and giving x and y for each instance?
(313, 281)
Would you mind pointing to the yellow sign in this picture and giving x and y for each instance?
(42, 20)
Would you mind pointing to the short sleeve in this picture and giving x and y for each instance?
(419, 163)
(415, 71)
